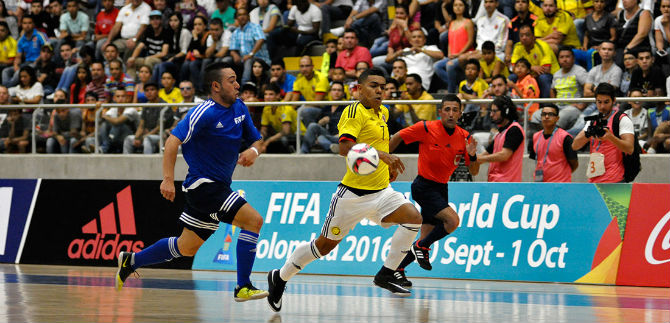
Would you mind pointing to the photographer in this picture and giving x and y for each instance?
(606, 161)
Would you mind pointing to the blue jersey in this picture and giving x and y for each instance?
(211, 136)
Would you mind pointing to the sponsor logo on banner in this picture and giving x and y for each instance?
(107, 242)
(16, 197)
(88, 222)
(507, 231)
(646, 247)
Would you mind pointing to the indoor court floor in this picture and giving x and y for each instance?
(34, 293)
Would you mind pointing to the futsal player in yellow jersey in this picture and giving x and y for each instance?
(358, 197)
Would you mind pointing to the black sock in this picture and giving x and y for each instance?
(408, 260)
(438, 233)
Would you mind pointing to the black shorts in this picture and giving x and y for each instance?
(207, 205)
(433, 197)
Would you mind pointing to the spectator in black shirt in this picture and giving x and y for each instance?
(647, 76)
(46, 70)
(324, 132)
(152, 47)
(14, 133)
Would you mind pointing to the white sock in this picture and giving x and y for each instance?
(400, 243)
(301, 257)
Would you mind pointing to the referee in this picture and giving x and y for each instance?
(442, 145)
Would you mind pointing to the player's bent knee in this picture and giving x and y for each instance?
(189, 243)
(249, 219)
(325, 245)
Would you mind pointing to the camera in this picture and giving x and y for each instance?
(597, 126)
(396, 95)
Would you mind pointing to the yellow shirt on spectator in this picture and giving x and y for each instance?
(282, 114)
(173, 97)
(487, 69)
(426, 112)
(478, 87)
(7, 48)
(540, 54)
(308, 88)
(563, 23)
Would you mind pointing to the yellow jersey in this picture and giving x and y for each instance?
(426, 112)
(8, 48)
(308, 88)
(173, 97)
(282, 114)
(363, 125)
(540, 54)
(477, 88)
(487, 69)
(563, 23)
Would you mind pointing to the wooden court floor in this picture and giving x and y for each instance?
(33, 293)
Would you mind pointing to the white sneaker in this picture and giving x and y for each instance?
(339, 31)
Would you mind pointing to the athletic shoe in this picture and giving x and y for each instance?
(389, 282)
(275, 290)
(249, 292)
(125, 269)
(401, 279)
(422, 256)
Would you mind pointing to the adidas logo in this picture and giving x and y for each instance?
(219, 125)
(107, 244)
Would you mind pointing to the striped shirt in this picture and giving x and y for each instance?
(244, 38)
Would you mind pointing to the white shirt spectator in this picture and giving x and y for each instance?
(667, 86)
(420, 63)
(304, 20)
(23, 94)
(132, 114)
(362, 5)
(271, 10)
(495, 29)
(640, 123)
(209, 5)
(133, 19)
(659, 26)
(223, 42)
(26, 5)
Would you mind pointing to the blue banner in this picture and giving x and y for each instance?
(508, 231)
(16, 197)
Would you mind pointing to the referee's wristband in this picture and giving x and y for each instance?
(473, 158)
(255, 150)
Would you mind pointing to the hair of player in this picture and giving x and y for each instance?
(214, 73)
(375, 71)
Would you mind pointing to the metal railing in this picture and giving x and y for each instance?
(296, 104)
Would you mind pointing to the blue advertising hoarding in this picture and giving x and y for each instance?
(508, 231)
(16, 200)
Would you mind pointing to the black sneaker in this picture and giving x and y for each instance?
(389, 282)
(125, 269)
(422, 256)
(401, 279)
(276, 287)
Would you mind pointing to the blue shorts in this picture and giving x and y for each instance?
(433, 198)
(207, 205)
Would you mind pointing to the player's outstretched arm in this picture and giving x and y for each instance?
(395, 164)
(169, 160)
(394, 142)
(248, 157)
(471, 148)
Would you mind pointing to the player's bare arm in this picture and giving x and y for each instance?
(248, 157)
(169, 159)
(471, 148)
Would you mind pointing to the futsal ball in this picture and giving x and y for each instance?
(362, 159)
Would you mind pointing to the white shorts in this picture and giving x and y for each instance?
(348, 209)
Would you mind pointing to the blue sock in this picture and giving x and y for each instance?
(246, 254)
(162, 251)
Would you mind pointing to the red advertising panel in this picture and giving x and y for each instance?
(645, 256)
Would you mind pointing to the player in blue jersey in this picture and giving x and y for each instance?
(210, 135)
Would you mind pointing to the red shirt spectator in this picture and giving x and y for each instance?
(352, 54)
(105, 20)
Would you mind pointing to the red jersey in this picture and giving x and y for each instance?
(439, 152)
(348, 61)
(105, 21)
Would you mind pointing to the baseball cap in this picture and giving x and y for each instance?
(249, 86)
(155, 13)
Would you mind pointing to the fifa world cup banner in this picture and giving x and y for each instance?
(508, 231)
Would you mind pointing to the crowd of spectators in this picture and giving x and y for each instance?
(135, 51)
